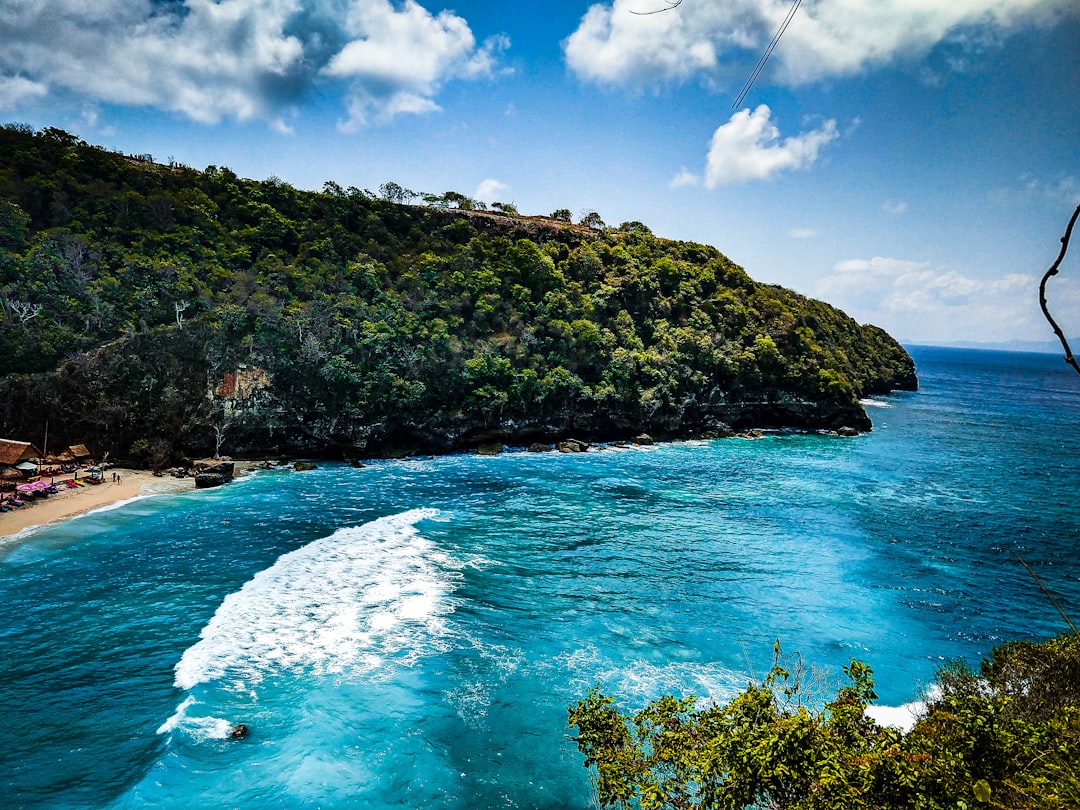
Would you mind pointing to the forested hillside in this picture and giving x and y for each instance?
(157, 311)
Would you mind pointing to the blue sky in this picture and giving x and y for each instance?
(913, 162)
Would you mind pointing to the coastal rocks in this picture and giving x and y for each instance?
(492, 449)
(643, 439)
(239, 731)
(846, 430)
(213, 472)
(537, 447)
(304, 466)
(572, 446)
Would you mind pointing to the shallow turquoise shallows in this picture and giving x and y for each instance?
(410, 634)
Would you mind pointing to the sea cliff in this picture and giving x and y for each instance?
(162, 312)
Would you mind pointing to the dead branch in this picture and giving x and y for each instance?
(1034, 576)
(1053, 271)
(670, 5)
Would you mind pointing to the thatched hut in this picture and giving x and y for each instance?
(15, 464)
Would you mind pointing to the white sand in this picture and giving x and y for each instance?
(71, 502)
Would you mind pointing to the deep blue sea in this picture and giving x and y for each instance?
(410, 634)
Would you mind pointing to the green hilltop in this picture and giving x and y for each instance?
(160, 311)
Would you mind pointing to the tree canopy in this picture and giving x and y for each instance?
(1005, 737)
(130, 289)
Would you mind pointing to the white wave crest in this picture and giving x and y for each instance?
(200, 728)
(639, 682)
(902, 718)
(872, 402)
(348, 603)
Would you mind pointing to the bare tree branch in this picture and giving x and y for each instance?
(1053, 271)
(23, 310)
(670, 5)
(1039, 582)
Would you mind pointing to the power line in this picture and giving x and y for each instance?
(765, 56)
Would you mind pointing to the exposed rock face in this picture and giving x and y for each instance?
(304, 466)
(642, 439)
(572, 446)
(207, 480)
(213, 472)
(493, 449)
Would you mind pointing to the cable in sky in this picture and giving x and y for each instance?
(765, 56)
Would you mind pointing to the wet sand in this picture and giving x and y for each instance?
(71, 502)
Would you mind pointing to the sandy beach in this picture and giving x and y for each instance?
(71, 502)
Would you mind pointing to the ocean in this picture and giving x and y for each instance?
(410, 633)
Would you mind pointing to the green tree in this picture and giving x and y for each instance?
(591, 219)
(1007, 737)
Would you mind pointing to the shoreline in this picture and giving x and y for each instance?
(73, 502)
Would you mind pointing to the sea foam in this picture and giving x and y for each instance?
(350, 603)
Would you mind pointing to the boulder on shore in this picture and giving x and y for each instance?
(643, 439)
(207, 480)
(538, 447)
(303, 466)
(213, 472)
(492, 449)
(572, 446)
(847, 430)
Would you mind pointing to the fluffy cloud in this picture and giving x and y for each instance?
(748, 147)
(246, 59)
(915, 300)
(714, 40)
(490, 190)
(685, 177)
(15, 89)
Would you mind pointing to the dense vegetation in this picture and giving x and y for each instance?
(157, 310)
(1007, 737)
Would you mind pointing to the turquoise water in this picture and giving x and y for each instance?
(410, 634)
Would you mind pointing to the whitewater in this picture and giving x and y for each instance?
(410, 633)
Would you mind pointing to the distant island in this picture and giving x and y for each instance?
(160, 312)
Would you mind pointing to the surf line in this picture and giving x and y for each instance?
(363, 599)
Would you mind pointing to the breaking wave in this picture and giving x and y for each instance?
(352, 603)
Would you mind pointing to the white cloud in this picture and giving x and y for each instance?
(1063, 189)
(802, 233)
(717, 40)
(879, 266)
(490, 190)
(242, 59)
(895, 207)
(748, 147)
(16, 89)
(916, 300)
(685, 177)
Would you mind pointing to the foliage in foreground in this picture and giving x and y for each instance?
(1006, 737)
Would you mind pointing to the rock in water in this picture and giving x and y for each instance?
(207, 480)
(572, 446)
